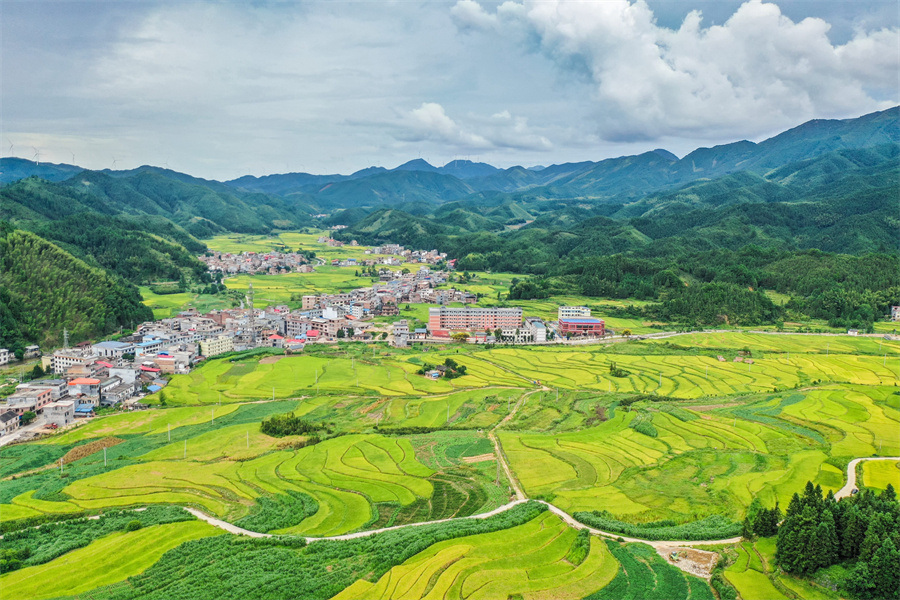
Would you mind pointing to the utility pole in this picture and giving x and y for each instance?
(248, 440)
(169, 430)
(185, 450)
(104, 456)
(212, 416)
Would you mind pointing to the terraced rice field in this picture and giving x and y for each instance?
(529, 560)
(674, 375)
(108, 560)
(141, 422)
(784, 343)
(347, 476)
(748, 573)
(877, 474)
(700, 464)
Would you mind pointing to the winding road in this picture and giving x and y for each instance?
(569, 519)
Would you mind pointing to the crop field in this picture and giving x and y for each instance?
(531, 560)
(673, 374)
(877, 474)
(748, 573)
(305, 374)
(347, 476)
(168, 305)
(755, 576)
(108, 560)
(140, 422)
(278, 289)
(644, 575)
(685, 465)
(784, 343)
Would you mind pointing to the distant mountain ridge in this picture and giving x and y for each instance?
(618, 179)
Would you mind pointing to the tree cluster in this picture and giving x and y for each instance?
(862, 530)
(288, 424)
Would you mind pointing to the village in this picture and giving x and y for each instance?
(89, 376)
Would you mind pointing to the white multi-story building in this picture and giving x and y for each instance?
(4, 356)
(112, 349)
(537, 328)
(573, 312)
(217, 345)
(65, 358)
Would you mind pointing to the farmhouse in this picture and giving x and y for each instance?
(9, 422)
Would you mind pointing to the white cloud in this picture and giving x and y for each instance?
(502, 130)
(757, 72)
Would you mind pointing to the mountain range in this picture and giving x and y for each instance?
(826, 185)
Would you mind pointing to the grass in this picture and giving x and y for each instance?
(108, 560)
(877, 474)
(529, 560)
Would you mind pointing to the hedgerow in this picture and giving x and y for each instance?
(711, 528)
(279, 512)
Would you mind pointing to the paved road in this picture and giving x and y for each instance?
(851, 474)
(15, 435)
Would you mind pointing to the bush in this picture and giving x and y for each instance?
(133, 525)
(710, 528)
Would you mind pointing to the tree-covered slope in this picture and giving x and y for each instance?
(44, 289)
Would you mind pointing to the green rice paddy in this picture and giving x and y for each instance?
(530, 560)
(105, 561)
(877, 474)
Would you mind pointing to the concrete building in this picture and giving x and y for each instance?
(443, 320)
(84, 386)
(32, 352)
(9, 422)
(573, 312)
(65, 358)
(582, 327)
(60, 413)
(4, 356)
(895, 314)
(59, 388)
(27, 399)
(537, 328)
(217, 345)
(113, 350)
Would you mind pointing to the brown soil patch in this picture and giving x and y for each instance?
(90, 448)
(479, 458)
(374, 406)
(268, 360)
(698, 562)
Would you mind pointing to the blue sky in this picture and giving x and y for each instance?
(224, 89)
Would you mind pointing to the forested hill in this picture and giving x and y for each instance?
(44, 289)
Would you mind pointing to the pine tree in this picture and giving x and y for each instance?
(827, 541)
(854, 533)
(885, 570)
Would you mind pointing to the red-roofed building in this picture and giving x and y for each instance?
(276, 341)
(85, 386)
(582, 326)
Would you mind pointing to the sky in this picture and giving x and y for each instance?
(225, 89)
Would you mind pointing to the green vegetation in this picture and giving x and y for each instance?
(644, 575)
(44, 289)
(107, 560)
(253, 569)
(878, 474)
(534, 560)
(710, 528)
(48, 542)
(819, 532)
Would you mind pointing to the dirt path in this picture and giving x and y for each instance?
(851, 474)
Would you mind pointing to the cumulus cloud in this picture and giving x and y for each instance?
(501, 130)
(756, 72)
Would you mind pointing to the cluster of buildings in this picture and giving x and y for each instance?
(483, 324)
(83, 379)
(252, 263)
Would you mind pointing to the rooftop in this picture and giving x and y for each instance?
(84, 381)
(583, 320)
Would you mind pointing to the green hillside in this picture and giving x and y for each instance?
(44, 289)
